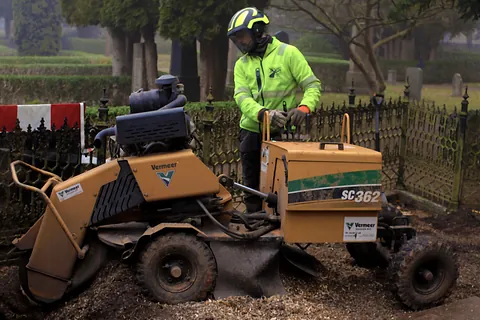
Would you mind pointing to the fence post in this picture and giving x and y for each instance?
(459, 169)
(207, 128)
(102, 124)
(403, 137)
(351, 110)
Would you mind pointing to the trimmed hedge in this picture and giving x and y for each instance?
(442, 70)
(92, 111)
(56, 70)
(87, 59)
(18, 89)
(331, 72)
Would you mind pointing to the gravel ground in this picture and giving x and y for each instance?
(342, 292)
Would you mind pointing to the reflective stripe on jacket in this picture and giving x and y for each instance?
(272, 83)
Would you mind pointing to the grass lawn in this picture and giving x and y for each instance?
(163, 62)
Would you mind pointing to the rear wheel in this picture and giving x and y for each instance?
(423, 273)
(177, 268)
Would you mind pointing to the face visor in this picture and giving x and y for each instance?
(244, 40)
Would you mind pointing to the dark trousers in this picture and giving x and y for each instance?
(250, 155)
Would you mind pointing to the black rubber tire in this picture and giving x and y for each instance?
(197, 261)
(405, 264)
(369, 255)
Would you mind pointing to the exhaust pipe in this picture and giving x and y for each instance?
(100, 137)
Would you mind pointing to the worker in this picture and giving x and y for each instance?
(266, 78)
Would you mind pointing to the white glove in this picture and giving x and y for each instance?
(277, 118)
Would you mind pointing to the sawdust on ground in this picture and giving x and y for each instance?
(342, 292)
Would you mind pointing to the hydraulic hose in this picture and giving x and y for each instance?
(249, 235)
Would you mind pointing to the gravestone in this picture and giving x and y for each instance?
(139, 77)
(184, 65)
(392, 77)
(415, 80)
(457, 85)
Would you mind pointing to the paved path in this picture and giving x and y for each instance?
(466, 309)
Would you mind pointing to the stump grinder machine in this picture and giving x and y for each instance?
(159, 207)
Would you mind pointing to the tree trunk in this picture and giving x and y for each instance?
(129, 41)
(7, 28)
(358, 62)
(433, 54)
(213, 66)
(469, 39)
(119, 58)
(372, 59)
(150, 55)
(344, 48)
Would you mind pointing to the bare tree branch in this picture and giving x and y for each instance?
(338, 17)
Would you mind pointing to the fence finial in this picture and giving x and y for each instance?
(406, 92)
(210, 97)
(103, 110)
(465, 100)
(209, 106)
(351, 96)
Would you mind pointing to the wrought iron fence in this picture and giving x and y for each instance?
(470, 165)
(425, 150)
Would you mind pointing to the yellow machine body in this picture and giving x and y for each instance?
(104, 195)
(326, 192)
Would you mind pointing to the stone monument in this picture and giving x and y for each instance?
(392, 77)
(457, 85)
(184, 65)
(414, 76)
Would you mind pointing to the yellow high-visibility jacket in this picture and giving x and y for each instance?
(271, 82)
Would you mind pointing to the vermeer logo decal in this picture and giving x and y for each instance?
(166, 177)
(163, 166)
(70, 192)
(360, 229)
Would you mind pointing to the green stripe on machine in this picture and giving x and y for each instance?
(330, 181)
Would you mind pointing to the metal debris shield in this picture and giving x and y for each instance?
(248, 268)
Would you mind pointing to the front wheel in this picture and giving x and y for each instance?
(177, 268)
(423, 273)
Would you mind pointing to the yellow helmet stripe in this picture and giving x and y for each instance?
(264, 19)
(232, 21)
(241, 18)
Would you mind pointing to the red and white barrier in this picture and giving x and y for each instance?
(52, 114)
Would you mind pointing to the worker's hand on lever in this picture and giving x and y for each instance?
(297, 116)
(277, 118)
